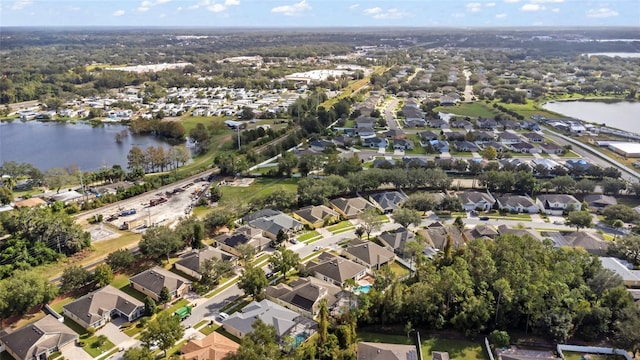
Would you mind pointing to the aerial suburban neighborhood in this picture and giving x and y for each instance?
(364, 198)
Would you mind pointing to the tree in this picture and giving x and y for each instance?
(281, 237)
(489, 153)
(612, 185)
(150, 307)
(283, 260)
(627, 247)
(585, 186)
(120, 259)
(247, 252)
(459, 223)
(359, 232)
(286, 163)
(57, 177)
(260, 344)
(499, 338)
(138, 353)
(102, 275)
(163, 331)
(579, 219)
(619, 212)
(253, 281)
(421, 201)
(159, 241)
(22, 291)
(74, 277)
(215, 194)
(212, 270)
(6, 195)
(370, 220)
(165, 295)
(564, 184)
(405, 217)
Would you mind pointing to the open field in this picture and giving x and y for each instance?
(237, 195)
(472, 110)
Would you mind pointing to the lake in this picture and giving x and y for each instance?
(56, 144)
(622, 115)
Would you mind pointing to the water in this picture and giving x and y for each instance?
(53, 144)
(622, 115)
(616, 54)
(363, 289)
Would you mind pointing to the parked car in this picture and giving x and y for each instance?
(485, 218)
(294, 241)
(558, 222)
(317, 248)
(223, 316)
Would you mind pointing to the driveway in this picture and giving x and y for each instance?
(117, 337)
(75, 353)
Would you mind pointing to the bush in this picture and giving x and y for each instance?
(91, 330)
(499, 338)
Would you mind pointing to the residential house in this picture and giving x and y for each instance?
(577, 166)
(437, 235)
(384, 163)
(504, 229)
(39, 340)
(630, 278)
(475, 200)
(480, 232)
(151, 282)
(500, 147)
(240, 323)
(191, 263)
(316, 216)
(336, 269)
(524, 148)
(426, 136)
(376, 142)
(598, 201)
(530, 125)
(30, 202)
(402, 144)
(368, 254)
(518, 203)
(508, 138)
(320, 145)
(394, 134)
(437, 123)
(415, 122)
(446, 100)
(396, 239)
(534, 137)
(343, 141)
(548, 164)
(272, 225)
(350, 208)
(483, 136)
(365, 132)
(365, 122)
(385, 351)
(243, 235)
(387, 201)
(551, 148)
(593, 243)
(414, 162)
(97, 308)
(557, 204)
(509, 124)
(454, 135)
(488, 124)
(214, 346)
(439, 146)
(259, 214)
(304, 295)
(465, 146)
(461, 124)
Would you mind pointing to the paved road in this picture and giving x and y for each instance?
(389, 114)
(468, 89)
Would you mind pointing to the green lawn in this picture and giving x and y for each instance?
(341, 227)
(457, 349)
(57, 306)
(308, 235)
(472, 110)
(92, 348)
(236, 195)
(209, 329)
(75, 327)
(219, 289)
(399, 269)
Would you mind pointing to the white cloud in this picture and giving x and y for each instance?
(216, 8)
(601, 13)
(457, 15)
(213, 6)
(390, 14)
(179, 8)
(532, 7)
(200, 4)
(473, 6)
(292, 10)
(372, 11)
(231, 2)
(162, 16)
(354, 6)
(490, 4)
(547, 1)
(118, 13)
(556, 10)
(146, 5)
(501, 16)
(21, 4)
(511, 1)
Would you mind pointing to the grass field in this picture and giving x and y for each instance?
(472, 110)
(399, 270)
(458, 349)
(341, 227)
(91, 346)
(236, 195)
(308, 235)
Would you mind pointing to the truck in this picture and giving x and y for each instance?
(158, 201)
(135, 223)
(128, 212)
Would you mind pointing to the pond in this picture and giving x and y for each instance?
(57, 144)
(621, 115)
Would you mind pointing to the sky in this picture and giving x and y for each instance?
(319, 13)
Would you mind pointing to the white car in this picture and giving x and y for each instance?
(223, 316)
(317, 248)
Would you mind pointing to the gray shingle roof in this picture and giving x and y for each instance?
(92, 306)
(37, 338)
(156, 278)
(196, 258)
(269, 312)
(384, 351)
(337, 268)
(369, 252)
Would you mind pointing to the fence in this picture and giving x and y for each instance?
(593, 350)
(488, 346)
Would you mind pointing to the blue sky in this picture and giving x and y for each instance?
(319, 13)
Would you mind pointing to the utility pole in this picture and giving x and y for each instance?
(238, 137)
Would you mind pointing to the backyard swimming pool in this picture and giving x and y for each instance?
(362, 289)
